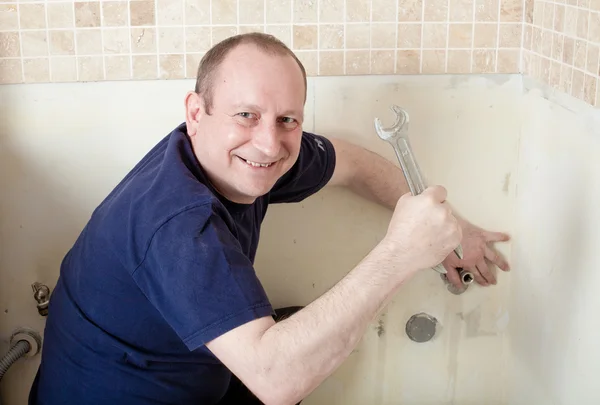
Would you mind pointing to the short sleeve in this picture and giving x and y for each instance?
(311, 172)
(198, 278)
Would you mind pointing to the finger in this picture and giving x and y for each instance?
(438, 193)
(496, 258)
(453, 277)
(478, 277)
(485, 271)
(496, 236)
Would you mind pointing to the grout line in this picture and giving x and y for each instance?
(75, 43)
(291, 24)
(370, 36)
(422, 36)
(397, 22)
(264, 16)
(102, 31)
(21, 56)
(498, 37)
(473, 39)
(130, 39)
(318, 38)
(185, 68)
(210, 20)
(157, 73)
(48, 43)
(345, 36)
(447, 35)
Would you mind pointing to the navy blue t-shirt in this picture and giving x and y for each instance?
(164, 265)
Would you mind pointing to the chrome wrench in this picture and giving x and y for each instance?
(397, 136)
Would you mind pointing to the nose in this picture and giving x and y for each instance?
(266, 140)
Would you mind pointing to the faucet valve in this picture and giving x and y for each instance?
(41, 293)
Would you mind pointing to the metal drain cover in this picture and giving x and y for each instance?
(421, 327)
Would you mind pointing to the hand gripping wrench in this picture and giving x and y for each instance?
(397, 136)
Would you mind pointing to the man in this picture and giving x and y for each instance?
(158, 301)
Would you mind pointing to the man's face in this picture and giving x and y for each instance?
(252, 135)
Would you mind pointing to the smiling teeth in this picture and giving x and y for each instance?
(258, 164)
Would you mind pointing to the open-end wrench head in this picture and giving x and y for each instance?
(387, 133)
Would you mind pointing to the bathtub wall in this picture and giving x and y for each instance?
(64, 146)
(554, 324)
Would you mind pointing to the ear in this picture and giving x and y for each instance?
(194, 108)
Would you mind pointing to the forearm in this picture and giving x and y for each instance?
(369, 174)
(297, 354)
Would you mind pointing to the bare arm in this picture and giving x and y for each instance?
(282, 363)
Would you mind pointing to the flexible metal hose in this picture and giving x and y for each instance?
(19, 350)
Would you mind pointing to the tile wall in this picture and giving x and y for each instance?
(56, 41)
(561, 46)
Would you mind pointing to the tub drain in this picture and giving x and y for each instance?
(421, 327)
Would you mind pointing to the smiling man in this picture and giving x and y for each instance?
(158, 301)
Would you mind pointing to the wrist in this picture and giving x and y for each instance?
(398, 261)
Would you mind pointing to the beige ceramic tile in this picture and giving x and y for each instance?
(557, 46)
(279, 11)
(87, 14)
(309, 61)
(90, 68)
(251, 11)
(408, 62)
(508, 61)
(117, 67)
(547, 39)
(36, 70)
(9, 18)
(33, 16)
(11, 71)
(170, 40)
(197, 12)
(331, 11)
(544, 72)
(281, 32)
(331, 36)
(62, 42)
(570, 21)
(171, 67)
(383, 35)
(559, 18)
(434, 62)
(547, 22)
(554, 80)
(169, 12)
(435, 10)
(582, 24)
(485, 35)
(357, 62)
(566, 78)
(224, 12)
(63, 69)
(511, 10)
(409, 36)
(192, 61)
(60, 15)
(116, 40)
(305, 37)
(382, 62)
(461, 10)
(145, 67)
(529, 4)
(88, 42)
(358, 10)
(143, 40)
(486, 10)
(34, 43)
(579, 54)
(459, 61)
(331, 63)
(460, 36)
(510, 35)
(10, 45)
(305, 12)
(141, 13)
(410, 11)
(536, 40)
(538, 12)
(383, 10)
(221, 33)
(527, 63)
(568, 50)
(484, 61)
(245, 29)
(434, 35)
(577, 84)
(592, 59)
(197, 39)
(589, 89)
(358, 36)
(597, 104)
(114, 13)
(594, 28)
(527, 37)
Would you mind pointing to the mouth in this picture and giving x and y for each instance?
(257, 164)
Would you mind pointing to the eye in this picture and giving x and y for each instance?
(288, 122)
(245, 115)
